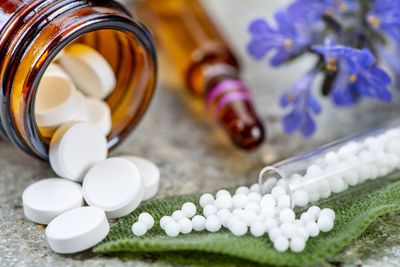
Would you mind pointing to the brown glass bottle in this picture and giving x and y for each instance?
(33, 32)
(190, 40)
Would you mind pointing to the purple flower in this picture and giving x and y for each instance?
(287, 40)
(304, 104)
(392, 56)
(357, 75)
(385, 17)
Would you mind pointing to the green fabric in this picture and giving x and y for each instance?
(355, 210)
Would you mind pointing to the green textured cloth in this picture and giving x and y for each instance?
(355, 210)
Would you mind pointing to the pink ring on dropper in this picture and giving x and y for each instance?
(224, 87)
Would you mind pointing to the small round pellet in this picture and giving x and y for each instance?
(312, 228)
(278, 191)
(172, 229)
(314, 171)
(240, 201)
(274, 233)
(253, 206)
(221, 193)
(325, 223)
(139, 229)
(297, 244)
(223, 202)
(314, 211)
(300, 198)
(299, 223)
(287, 215)
(165, 220)
(302, 231)
(146, 219)
(255, 188)
(249, 217)
(270, 223)
(327, 212)
(268, 212)
(331, 158)
(224, 215)
(257, 229)
(209, 210)
(267, 200)
(213, 224)
(242, 190)
(337, 185)
(313, 196)
(199, 223)
(281, 243)
(284, 202)
(177, 215)
(288, 229)
(232, 220)
(238, 228)
(189, 209)
(185, 225)
(206, 199)
(254, 197)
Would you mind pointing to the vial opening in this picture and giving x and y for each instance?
(132, 88)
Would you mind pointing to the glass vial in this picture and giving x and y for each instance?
(206, 65)
(34, 32)
(335, 168)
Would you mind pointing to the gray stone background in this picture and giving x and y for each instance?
(192, 153)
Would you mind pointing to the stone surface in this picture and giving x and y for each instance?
(195, 156)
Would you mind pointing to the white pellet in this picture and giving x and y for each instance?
(146, 219)
(288, 229)
(257, 229)
(314, 212)
(238, 228)
(221, 193)
(254, 197)
(287, 215)
(325, 223)
(267, 200)
(224, 216)
(224, 201)
(299, 223)
(189, 209)
(313, 196)
(284, 202)
(255, 188)
(232, 220)
(337, 185)
(278, 191)
(165, 220)
(172, 229)
(185, 225)
(240, 201)
(177, 215)
(302, 231)
(253, 206)
(199, 223)
(327, 212)
(206, 199)
(331, 158)
(139, 229)
(270, 223)
(242, 190)
(274, 233)
(281, 243)
(314, 171)
(307, 217)
(297, 244)
(249, 217)
(351, 178)
(300, 198)
(213, 224)
(312, 228)
(268, 212)
(209, 210)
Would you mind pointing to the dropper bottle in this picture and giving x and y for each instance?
(188, 38)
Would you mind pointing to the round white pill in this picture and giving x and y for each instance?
(314, 171)
(89, 70)
(242, 190)
(139, 229)
(146, 219)
(337, 185)
(77, 230)
(150, 174)
(331, 158)
(238, 228)
(281, 243)
(289, 229)
(76, 147)
(240, 201)
(185, 225)
(287, 215)
(232, 220)
(284, 202)
(325, 223)
(223, 202)
(314, 212)
(99, 114)
(254, 197)
(297, 244)
(209, 210)
(267, 201)
(213, 224)
(224, 216)
(302, 231)
(312, 228)
(206, 199)
(189, 209)
(165, 220)
(172, 229)
(274, 233)
(278, 191)
(307, 217)
(255, 188)
(177, 215)
(298, 223)
(249, 217)
(222, 192)
(48, 198)
(199, 223)
(300, 198)
(313, 196)
(270, 223)
(257, 229)
(115, 186)
(253, 206)
(327, 212)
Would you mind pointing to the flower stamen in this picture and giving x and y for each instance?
(331, 66)
(288, 44)
(374, 21)
(352, 79)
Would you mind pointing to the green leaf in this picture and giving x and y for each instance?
(355, 210)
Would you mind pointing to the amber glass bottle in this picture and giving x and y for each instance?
(33, 32)
(188, 37)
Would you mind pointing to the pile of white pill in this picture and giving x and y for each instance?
(246, 211)
(77, 123)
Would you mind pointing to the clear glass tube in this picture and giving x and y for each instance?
(334, 168)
